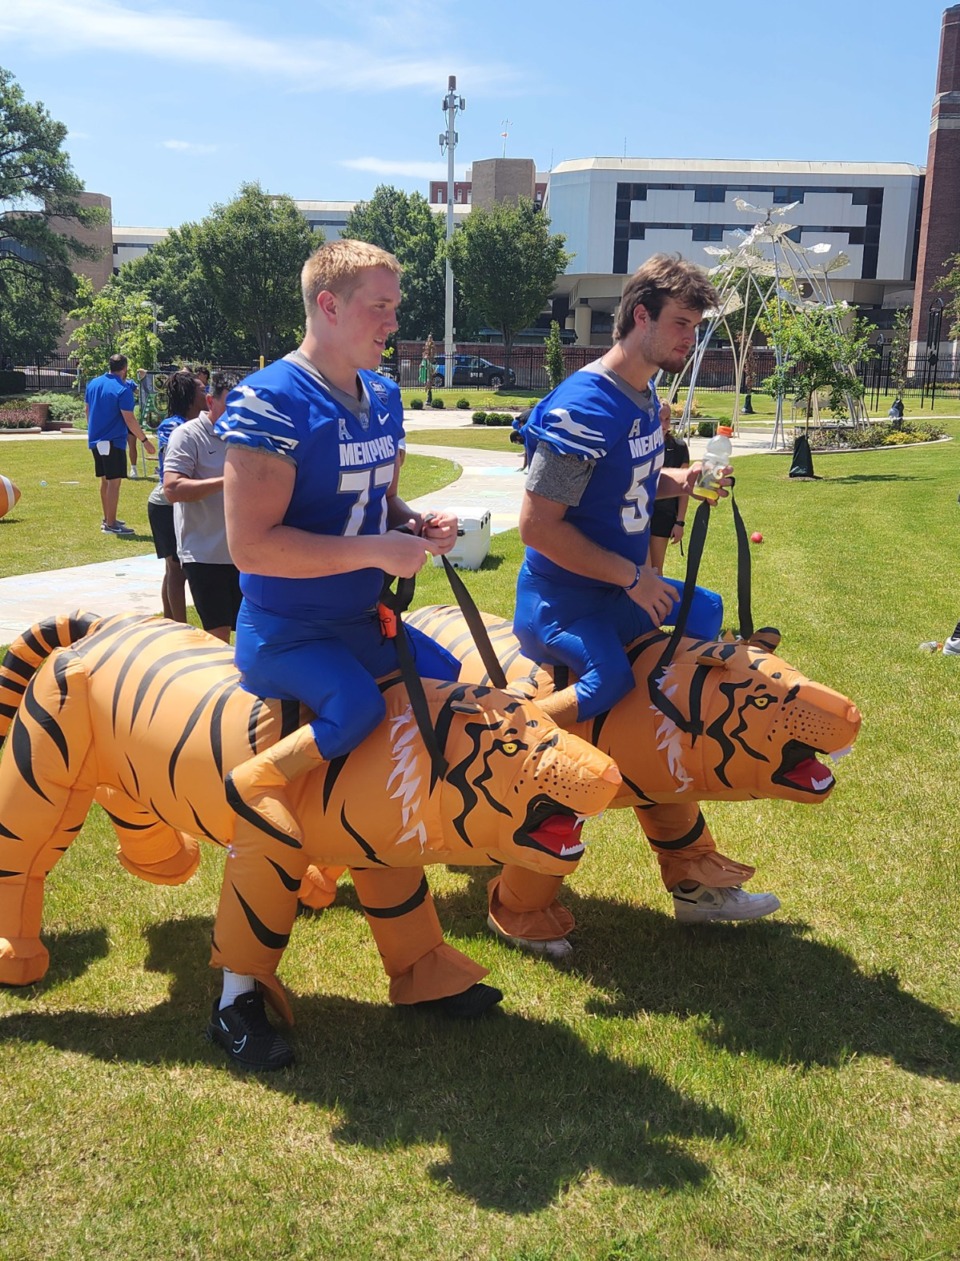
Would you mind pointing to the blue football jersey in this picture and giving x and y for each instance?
(344, 468)
(589, 416)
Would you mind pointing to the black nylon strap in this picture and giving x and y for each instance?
(398, 601)
(744, 581)
(475, 624)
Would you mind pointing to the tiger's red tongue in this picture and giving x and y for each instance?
(559, 834)
(810, 775)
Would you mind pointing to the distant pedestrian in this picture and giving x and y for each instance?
(108, 403)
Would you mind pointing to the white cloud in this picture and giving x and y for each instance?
(187, 146)
(175, 35)
(415, 170)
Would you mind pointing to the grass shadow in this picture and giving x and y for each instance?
(767, 988)
(524, 1108)
(852, 478)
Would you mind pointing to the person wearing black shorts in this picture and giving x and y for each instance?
(108, 403)
(668, 519)
(185, 400)
(193, 481)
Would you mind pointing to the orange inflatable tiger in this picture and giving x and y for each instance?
(147, 717)
(726, 722)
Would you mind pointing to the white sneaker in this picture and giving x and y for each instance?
(133, 472)
(952, 647)
(702, 905)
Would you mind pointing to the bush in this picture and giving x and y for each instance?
(879, 434)
(499, 418)
(13, 382)
(463, 404)
(479, 418)
(438, 403)
(65, 409)
(706, 428)
(416, 404)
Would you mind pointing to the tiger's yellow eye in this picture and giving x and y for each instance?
(762, 702)
(510, 746)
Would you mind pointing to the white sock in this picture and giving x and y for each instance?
(235, 984)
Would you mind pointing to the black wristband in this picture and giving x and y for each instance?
(679, 523)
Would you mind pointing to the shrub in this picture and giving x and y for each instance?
(499, 418)
(438, 403)
(479, 418)
(65, 409)
(416, 404)
(13, 382)
(463, 404)
(706, 428)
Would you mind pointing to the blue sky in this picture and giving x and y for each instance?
(171, 106)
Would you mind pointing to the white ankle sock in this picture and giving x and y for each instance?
(235, 984)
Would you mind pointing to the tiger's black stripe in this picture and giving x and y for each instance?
(149, 675)
(23, 757)
(125, 824)
(289, 882)
(266, 936)
(688, 838)
(46, 722)
(402, 908)
(378, 862)
(240, 807)
(198, 712)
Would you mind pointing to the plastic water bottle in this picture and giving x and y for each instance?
(718, 455)
(930, 645)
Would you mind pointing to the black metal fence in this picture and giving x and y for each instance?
(485, 367)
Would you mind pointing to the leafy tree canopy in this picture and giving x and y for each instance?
(37, 185)
(251, 251)
(404, 225)
(508, 263)
(818, 348)
(191, 325)
(113, 321)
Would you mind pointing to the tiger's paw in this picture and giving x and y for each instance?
(23, 960)
(555, 948)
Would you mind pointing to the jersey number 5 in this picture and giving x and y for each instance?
(635, 511)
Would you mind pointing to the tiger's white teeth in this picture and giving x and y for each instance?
(820, 784)
(567, 850)
(835, 757)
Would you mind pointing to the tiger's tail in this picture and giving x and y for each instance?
(29, 651)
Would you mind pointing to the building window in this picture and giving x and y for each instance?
(707, 232)
(710, 192)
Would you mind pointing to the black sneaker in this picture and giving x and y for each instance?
(247, 1036)
(468, 1005)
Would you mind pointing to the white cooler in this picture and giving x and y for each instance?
(472, 545)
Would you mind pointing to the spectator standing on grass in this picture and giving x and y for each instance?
(193, 482)
(108, 403)
(186, 398)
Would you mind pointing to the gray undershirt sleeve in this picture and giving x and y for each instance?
(562, 478)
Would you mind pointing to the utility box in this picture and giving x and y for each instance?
(472, 545)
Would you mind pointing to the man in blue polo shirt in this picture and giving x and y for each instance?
(110, 421)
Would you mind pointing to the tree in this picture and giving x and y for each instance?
(113, 321)
(251, 251)
(553, 357)
(192, 327)
(37, 185)
(30, 321)
(508, 263)
(404, 225)
(816, 352)
(900, 354)
(950, 284)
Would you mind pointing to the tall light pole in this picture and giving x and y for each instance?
(448, 141)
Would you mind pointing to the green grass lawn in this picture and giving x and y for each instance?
(56, 524)
(783, 1089)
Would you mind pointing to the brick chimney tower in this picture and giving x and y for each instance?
(940, 223)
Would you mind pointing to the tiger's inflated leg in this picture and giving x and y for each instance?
(149, 848)
(50, 743)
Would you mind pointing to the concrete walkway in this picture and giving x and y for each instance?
(490, 481)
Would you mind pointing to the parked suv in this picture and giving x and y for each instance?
(472, 370)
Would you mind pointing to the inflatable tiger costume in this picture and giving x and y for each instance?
(727, 722)
(147, 717)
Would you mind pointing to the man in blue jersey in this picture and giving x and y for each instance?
(312, 513)
(110, 422)
(585, 589)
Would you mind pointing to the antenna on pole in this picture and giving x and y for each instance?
(505, 123)
(452, 103)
